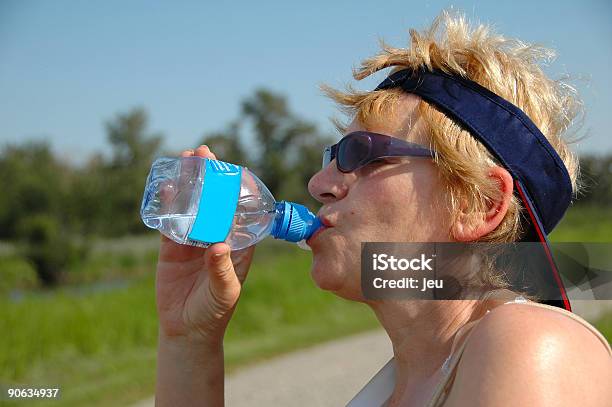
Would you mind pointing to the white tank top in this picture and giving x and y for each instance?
(378, 391)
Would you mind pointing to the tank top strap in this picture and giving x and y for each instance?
(449, 367)
(458, 346)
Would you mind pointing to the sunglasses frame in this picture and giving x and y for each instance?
(379, 146)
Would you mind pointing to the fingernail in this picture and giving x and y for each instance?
(218, 256)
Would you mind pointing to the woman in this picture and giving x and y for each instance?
(474, 187)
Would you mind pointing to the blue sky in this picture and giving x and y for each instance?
(68, 66)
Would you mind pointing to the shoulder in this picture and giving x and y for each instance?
(532, 356)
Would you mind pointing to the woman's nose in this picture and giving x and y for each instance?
(328, 184)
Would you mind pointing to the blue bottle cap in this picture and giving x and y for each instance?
(298, 222)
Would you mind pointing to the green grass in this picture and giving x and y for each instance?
(604, 325)
(100, 347)
(584, 224)
(125, 258)
(99, 344)
(16, 274)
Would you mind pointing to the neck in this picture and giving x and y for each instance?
(421, 334)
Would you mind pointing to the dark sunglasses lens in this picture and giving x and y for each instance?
(352, 151)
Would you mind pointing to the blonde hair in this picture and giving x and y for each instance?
(508, 67)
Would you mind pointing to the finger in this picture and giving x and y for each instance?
(173, 252)
(238, 256)
(223, 279)
(167, 192)
(204, 151)
(189, 170)
(167, 188)
(242, 262)
(191, 167)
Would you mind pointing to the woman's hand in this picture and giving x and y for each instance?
(197, 289)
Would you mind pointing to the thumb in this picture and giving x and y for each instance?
(221, 269)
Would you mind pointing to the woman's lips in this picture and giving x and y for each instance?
(326, 224)
(315, 234)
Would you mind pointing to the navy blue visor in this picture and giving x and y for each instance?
(541, 180)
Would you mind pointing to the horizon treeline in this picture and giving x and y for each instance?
(49, 209)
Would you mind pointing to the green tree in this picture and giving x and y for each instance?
(308, 163)
(289, 147)
(596, 174)
(33, 182)
(36, 208)
(91, 203)
(226, 144)
(134, 148)
(46, 243)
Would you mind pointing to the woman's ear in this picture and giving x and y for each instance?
(471, 226)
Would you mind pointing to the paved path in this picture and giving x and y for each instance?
(325, 375)
(329, 374)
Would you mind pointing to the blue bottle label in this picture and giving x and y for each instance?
(218, 202)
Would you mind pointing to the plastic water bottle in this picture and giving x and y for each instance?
(198, 201)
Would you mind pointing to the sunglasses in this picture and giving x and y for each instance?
(362, 147)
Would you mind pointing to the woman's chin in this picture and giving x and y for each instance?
(327, 278)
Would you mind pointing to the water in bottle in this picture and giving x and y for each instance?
(199, 201)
